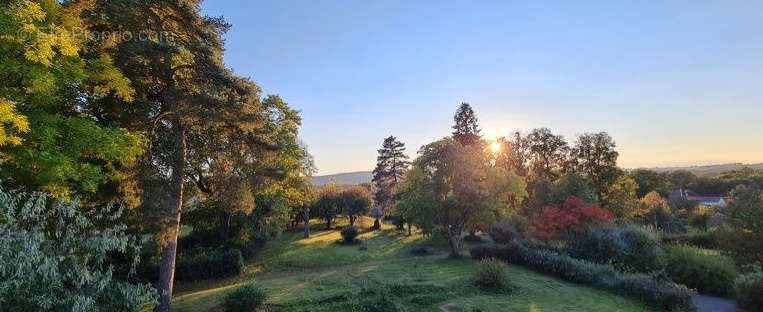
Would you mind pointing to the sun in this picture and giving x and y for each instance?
(495, 147)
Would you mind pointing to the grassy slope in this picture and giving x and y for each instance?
(317, 274)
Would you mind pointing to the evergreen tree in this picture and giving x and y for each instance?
(205, 126)
(391, 166)
(466, 129)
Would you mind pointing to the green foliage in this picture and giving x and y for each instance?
(548, 153)
(621, 199)
(627, 248)
(467, 190)
(742, 234)
(595, 157)
(55, 257)
(47, 88)
(212, 264)
(355, 201)
(508, 228)
(349, 233)
(648, 181)
(572, 184)
(329, 203)
(707, 240)
(491, 273)
(416, 200)
(660, 293)
(709, 274)
(247, 298)
(749, 291)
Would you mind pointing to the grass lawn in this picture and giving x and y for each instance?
(316, 274)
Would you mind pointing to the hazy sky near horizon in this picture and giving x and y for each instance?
(673, 82)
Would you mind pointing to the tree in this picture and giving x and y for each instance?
(466, 190)
(595, 157)
(355, 201)
(49, 77)
(391, 166)
(466, 130)
(681, 178)
(55, 257)
(621, 199)
(193, 109)
(514, 154)
(417, 202)
(648, 181)
(656, 207)
(328, 204)
(742, 233)
(548, 152)
(572, 184)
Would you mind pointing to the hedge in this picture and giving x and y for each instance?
(207, 265)
(659, 292)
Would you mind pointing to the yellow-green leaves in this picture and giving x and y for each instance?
(12, 122)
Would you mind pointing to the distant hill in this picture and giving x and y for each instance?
(709, 169)
(347, 178)
(359, 177)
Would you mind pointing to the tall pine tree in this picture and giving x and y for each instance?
(466, 130)
(198, 116)
(391, 166)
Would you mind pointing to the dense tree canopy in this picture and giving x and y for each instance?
(50, 77)
(467, 189)
(548, 153)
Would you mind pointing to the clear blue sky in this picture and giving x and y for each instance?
(674, 82)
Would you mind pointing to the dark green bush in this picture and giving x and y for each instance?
(707, 240)
(708, 274)
(661, 293)
(209, 264)
(630, 248)
(508, 228)
(349, 233)
(491, 272)
(247, 298)
(749, 288)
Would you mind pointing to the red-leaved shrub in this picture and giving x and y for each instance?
(574, 215)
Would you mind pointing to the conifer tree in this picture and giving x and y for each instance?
(391, 166)
(466, 129)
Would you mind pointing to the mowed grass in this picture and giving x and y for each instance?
(317, 274)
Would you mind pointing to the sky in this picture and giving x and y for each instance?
(673, 82)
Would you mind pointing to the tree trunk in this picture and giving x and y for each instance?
(352, 221)
(306, 216)
(169, 252)
(454, 245)
(328, 223)
(377, 225)
(409, 228)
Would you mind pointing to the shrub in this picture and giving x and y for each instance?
(349, 233)
(209, 264)
(628, 248)
(749, 289)
(245, 299)
(56, 257)
(708, 274)
(707, 240)
(508, 228)
(491, 272)
(661, 293)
